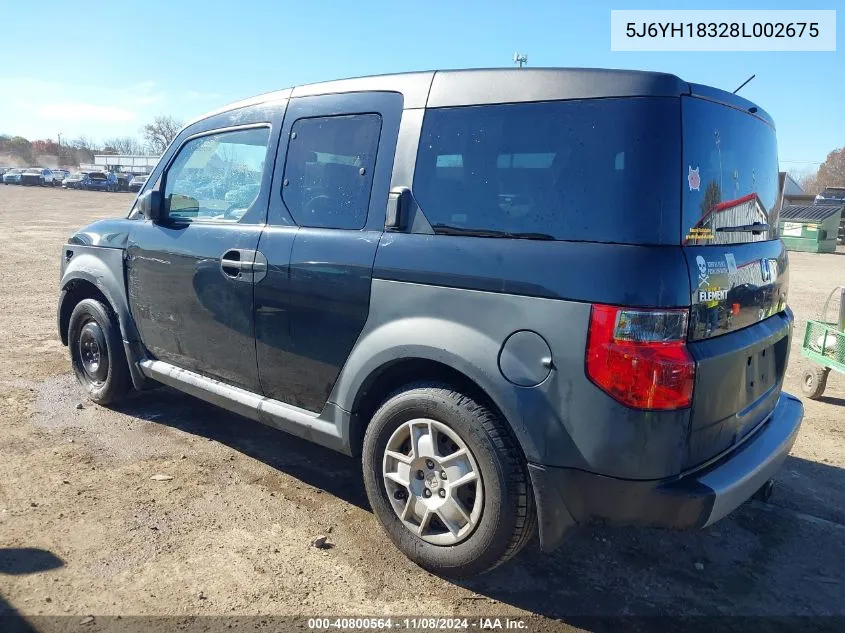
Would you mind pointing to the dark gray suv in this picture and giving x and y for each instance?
(528, 299)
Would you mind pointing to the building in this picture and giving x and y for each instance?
(126, 163)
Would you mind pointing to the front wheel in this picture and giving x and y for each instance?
(447, 481)
(814, 381)
(96, 352)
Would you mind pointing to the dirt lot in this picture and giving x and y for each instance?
(231, 532)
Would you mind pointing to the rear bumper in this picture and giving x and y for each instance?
(566, 497)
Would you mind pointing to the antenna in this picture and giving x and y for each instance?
(743, 84)
(520, 59)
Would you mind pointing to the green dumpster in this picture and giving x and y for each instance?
(812, 228)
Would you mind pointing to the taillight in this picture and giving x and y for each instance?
(640, 357)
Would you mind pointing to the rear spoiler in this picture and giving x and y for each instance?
(731, 100)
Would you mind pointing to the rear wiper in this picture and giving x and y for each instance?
(445, 229)
(755, 228)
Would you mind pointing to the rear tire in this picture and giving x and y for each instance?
(814, 381)
(492, 516)
(96, 352)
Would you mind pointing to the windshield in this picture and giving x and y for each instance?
(730, 175)
(36, 172)
(140, 178)
(97, 176)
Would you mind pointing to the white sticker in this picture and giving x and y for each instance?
(729, 257)
(703, 276)
(693, 179)
(792, 229)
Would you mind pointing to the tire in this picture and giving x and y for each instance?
(814, 381)
(93, 331)
(498, 525)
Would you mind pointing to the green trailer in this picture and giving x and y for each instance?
(824, 344)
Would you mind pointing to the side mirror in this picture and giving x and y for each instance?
(398, 209)
(151, 205)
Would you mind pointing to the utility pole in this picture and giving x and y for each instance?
(520, 59)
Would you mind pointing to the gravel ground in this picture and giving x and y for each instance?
(85, 530)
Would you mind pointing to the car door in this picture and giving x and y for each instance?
(327, 215)
(190, 275)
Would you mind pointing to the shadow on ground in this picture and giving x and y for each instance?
(784, 558)
(832, 400)
(296, 457)
(17, 561)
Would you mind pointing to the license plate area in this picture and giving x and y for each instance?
(760, 372)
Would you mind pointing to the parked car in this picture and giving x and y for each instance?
(75, 181)
(37, 176)
(137, 183)
(59, 175)
(12, 177)
(100, 181)
(831, 195)
(123, 180)
(507, 292)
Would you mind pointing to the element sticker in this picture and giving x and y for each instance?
(694, 179)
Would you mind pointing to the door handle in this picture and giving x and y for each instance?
(237, 264)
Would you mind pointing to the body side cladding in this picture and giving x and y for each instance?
(565, 421)
(103, 268)
(329, 429)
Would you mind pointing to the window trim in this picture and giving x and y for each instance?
(372, 172)
(224, 130)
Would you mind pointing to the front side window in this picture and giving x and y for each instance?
(217, 177)
(601, 170)
(329, 170)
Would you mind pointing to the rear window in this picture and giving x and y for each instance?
(730, 175)
(586, 170)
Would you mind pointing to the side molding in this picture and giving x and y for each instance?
(329, 429)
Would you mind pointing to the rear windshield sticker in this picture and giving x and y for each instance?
(694, 179)
(703, 277)
(710, 268)
(699, 234)
(729, 257)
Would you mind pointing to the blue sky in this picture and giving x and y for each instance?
(105, 72)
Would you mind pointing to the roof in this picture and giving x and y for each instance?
(809, 213)
(443, 88)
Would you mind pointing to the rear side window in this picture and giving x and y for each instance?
(588, 170)
(329, 170)
(730, 175)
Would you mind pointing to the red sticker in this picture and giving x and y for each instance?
(693, 179)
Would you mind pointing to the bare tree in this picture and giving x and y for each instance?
(159, 133)
(832, 171)
(124, 145)
(806, 180)
(83, 142)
